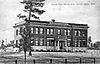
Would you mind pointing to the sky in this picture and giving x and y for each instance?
(71, 11)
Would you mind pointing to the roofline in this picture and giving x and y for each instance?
(38, 21)
(58, 22)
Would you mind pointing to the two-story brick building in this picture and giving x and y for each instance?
(51, 35)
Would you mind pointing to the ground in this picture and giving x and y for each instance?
(44, 57)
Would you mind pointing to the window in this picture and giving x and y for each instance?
(51, 31)
(50, 42)
(65, 32)
(79, 43)
(76, 43)
(32, 42)
(41, 30)
(21, 30)
(37, 30)
(47, 43)
(69, 41)
(75, 33)
(56, 43)
(68, 44)
(79, 33)
(68, 32)
(41, 41)
(31, 30)
(36, 41)
(84, 33)
(16, 42)
(84, 43)
(48, 31)
(16, 32)
(59, 31)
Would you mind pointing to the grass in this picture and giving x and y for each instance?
(44, 57)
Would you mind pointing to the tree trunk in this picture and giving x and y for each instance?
(30, 54)
(25, 56)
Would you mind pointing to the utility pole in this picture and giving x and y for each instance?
(29, 29)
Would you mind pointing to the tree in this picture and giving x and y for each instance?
(2, 45)
(97, 44)
(89, 41)
(31, 7)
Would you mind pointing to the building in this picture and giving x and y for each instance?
(51, 35)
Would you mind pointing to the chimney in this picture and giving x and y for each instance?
(53, 20)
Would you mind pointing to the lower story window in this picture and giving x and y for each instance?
(79, 43)
(41, 42)
(50, 43)
(36, 42)
(76, 43)
(32, 42)
(47, 43)
(68, 43)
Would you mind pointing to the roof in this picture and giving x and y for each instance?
(50, 23)
(61, 23)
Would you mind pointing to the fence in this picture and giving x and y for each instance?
(55, 61)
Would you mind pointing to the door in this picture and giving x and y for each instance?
(62, 44)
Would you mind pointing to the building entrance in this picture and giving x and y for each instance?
(62, 44)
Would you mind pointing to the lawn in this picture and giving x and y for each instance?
(44, 57)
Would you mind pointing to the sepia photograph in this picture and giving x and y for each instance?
(49, 32)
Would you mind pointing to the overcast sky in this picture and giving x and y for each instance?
(71, 11)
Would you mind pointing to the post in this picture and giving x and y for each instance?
(50, 61)
(34, 61)
(25, 54)
(94, 60)
(65, 61)
(80, 60)
(15, 61)
(29, 29)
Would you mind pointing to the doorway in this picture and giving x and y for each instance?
(62, 44)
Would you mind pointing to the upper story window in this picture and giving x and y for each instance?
(68, 32)
(50, 31)
(16, 32)
(32, 30)
(79, 33)
(84, 33)
(41, 30)
(59, 31)
(75, 33)
(65, 32)
(36, 30)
